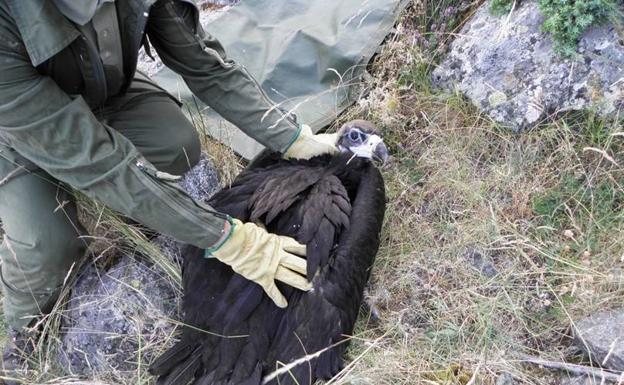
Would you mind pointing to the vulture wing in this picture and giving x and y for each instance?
(235, 334)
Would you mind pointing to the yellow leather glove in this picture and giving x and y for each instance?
(263, 257)
(308, 145)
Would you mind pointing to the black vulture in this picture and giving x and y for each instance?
(234, 334)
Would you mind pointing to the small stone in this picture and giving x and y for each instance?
(601, 337)
(480, 263)
(505, 379)
(569, 233)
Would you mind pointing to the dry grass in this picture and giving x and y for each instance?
(494, 243)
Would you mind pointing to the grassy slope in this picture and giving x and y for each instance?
(542, 210)
(467, 199)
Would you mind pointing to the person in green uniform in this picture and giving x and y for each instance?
(75, 114)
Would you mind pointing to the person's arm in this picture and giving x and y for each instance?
(61, 135)
(174, 31)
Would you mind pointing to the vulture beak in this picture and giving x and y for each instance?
(380, 153)
(373, 148)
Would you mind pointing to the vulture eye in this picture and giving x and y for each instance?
(356, 136)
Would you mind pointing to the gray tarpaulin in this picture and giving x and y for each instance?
(308, 55)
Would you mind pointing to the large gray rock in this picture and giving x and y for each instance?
(508, 69)
(116, 315)
(111, 314)
(601, 336)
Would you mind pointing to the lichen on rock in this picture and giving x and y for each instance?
(507, 67)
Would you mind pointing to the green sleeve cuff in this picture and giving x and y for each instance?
(208, 253)
(293, 139)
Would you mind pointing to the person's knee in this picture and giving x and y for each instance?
(41, 261)
(41, 243)
(34, 269)
(63, 251)
(185, 149)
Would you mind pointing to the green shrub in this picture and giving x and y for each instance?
(566, 20)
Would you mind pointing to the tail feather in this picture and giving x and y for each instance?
(184, 372)
(170, 359)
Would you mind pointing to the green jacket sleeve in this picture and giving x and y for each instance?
(176, 34)
(61, 135)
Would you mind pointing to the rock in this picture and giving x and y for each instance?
(202, 181)
(504, 379)
(509, 70)
(116, 315)
(111, 314)
(601, 337)
(480, 262)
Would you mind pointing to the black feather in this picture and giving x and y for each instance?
(332, 204)
(183, 372)
(170, 359)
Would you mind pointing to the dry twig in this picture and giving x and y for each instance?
(581, 370)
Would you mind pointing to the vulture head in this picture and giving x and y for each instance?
(362, 139)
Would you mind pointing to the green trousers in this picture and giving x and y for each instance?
(41, 230)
